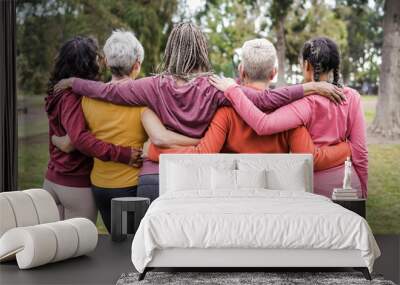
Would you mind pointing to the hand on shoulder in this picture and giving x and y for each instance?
(222, 83)
(325, 89)
(64, 84)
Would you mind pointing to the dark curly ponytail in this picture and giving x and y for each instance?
(324, 56)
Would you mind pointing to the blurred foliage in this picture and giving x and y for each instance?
(44, 25)
(227, 24)
(353, 24)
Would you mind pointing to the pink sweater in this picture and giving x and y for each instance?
(327, 123)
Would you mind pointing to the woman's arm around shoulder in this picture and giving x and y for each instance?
(285, 118)
(269, 100)
(160, 135)
(325, 157)
(140, 92)
(212, 142)
(73, 121)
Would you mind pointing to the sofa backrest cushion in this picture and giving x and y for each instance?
(26, 208)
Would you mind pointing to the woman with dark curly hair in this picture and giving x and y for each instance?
(327, 122)
(68, 174)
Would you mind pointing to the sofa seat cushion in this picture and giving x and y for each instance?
(41, 244)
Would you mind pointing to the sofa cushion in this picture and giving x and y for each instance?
(7, 220)
(45, 205)
(40, 244)
(26, 208)
(23, 208)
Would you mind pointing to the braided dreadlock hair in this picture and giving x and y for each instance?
(324, 56)
(186, 53)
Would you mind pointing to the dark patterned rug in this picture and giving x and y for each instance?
(243, 278)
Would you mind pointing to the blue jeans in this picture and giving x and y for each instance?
(103, 197)
(148, 186)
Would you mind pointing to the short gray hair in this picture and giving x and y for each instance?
(258, 58)
(122, 50)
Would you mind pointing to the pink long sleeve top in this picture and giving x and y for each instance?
(187, 109)
(327, 123)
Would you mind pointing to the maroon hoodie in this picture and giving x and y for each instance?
(65, 116)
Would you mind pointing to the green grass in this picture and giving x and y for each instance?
(369, 107)
(30, 100)
(383, 204)
(32, 164)
(34, 122)
(34, 128)
(100, 226)
(369, 116)
(369, 97)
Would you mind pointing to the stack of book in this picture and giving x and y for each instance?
(344, 194)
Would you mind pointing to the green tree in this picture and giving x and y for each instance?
(151, 21)
(364, 38)
(387, 119)
(227, 24)
(44, 25)
(278, 12)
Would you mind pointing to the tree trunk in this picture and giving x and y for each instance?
(281, 50)
(345, 71)
(387, 119)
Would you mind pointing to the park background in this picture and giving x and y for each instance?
(362, 28)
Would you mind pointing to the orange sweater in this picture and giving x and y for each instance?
(229, 133)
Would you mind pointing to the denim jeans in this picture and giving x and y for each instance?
(148, 186)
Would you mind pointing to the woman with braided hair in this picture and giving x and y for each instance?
(181, 95)
(327, 122)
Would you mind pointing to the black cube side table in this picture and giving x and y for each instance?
(357, 206)
(121, 209)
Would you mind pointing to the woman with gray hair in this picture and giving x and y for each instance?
(124, 54)
(116, 124)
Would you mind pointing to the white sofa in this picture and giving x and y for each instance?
(31, 231)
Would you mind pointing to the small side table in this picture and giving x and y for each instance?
(357, 206)
(122, 209)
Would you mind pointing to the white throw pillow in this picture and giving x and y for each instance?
(251, 179)
(292, 179)
(223, 179)
(287, 175)
(227, 179)
(188, 177)
(193, 174)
